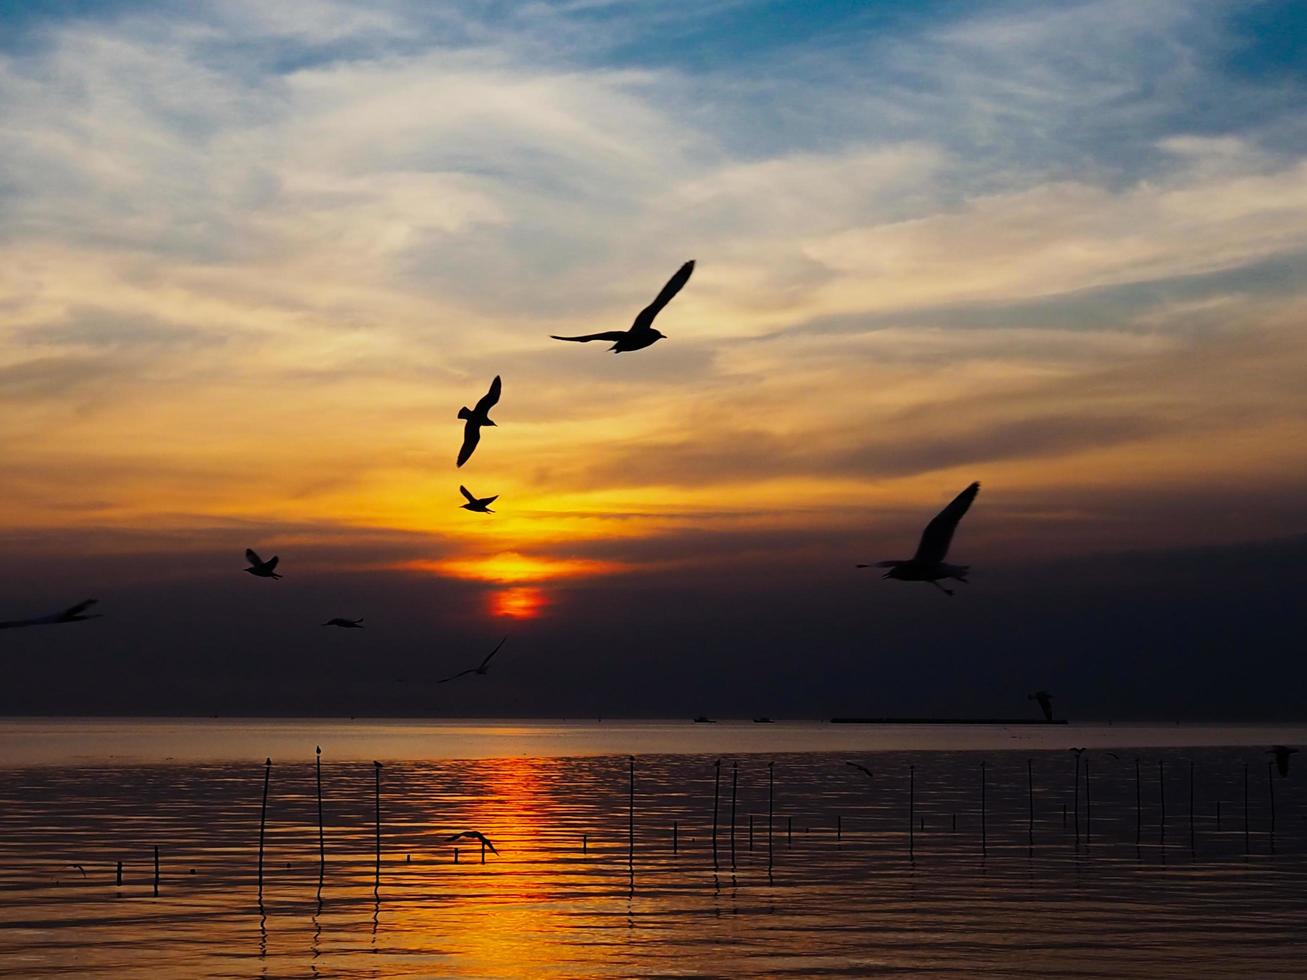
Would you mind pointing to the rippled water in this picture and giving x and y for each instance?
(837, 887)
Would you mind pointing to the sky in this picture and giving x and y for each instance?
(254, 257)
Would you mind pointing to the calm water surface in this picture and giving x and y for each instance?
(1110, 878)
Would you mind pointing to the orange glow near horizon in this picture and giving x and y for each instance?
(509, 567)
(520, 602)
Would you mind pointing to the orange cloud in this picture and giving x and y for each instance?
(509, 567)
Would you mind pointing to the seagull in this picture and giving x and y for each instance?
(928, 564)
(73, 614)
(259, 567)
(1281, 753)
(79, 868)
(348, 624)
(482, 668)
(479, 504)
(862, 768)
(1045, 702)
(477, 417)
(472, 835)
(642, 333)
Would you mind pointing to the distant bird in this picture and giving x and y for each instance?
(928, 564)
(479, 504)
(642, 333)
(79, 868)
(476, 418)
(347, 624)
(259, 567)
(1281, 753)
(73, 614)
(472, 835)
(861, 768)
(482, 668)
(1045, 702)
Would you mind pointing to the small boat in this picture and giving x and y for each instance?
(762, 720)
(704, 720)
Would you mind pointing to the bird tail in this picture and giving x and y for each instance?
(464, 413)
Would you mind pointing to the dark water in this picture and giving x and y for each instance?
(837, 887)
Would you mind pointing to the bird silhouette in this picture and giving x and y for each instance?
(259, 567)
(347, 624)
(928, 564)
(642, 333)
(73, 614)
(1045, 703)
(1281, 753)
(476, 418)
(472, 835)
(861, 768)
(482, 668)
(479, 504)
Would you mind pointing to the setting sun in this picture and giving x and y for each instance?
(518, 603)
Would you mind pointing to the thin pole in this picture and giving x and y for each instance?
(1245, 808)
(912, 805)
(1089, 808)
(1161, 790)
(1270, 788)
(263, 818)
(735, 777)
(839, 826)
(120, 873)
(1139, 805)
(675, 837)
(1192, 847)
(1030, 798)
(1076, 812)
(376, 771)
(483, 852)
(630, 818)
(983, 835)
(156, 870)
(322, 840)
(789, 831)
(716, 793)
(751, 831)
(771, 792)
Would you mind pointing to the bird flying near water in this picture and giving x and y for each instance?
(928, 564)
(476, 418)
(73, 614)
(642, 333)
(472, 835)
(347, 624)
(482, 668)
(861, 768)
(1045, 703)
(479, 504)
(259, 567)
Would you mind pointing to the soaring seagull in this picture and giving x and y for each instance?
(642, 333)
(73, 614)
(346, 624)
(472, 835)
(476, 418)
(482, 668)
(1281, 753)
(1045, 702)
(928, 564)
(479, 504)
(259, 567)
(861, 768)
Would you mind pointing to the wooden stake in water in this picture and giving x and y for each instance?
(1075, 814)
(1089, 808)
(789, 831)
(1245, 808)
(376, 772)
(630, 818)
(735, 777)
(322, 839)
(263, 819)
(839, 826)
(912, 805)
(1270, 789)
(1192, 848)
(983, 834)
(1030, 801)
(1139, 805)
(156, 870)
(120, 873)
(716, 792)
(771, 793)
(1161, 793)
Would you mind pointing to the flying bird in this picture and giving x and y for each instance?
(1045, 702)
(928, 564)
(73, 614)
(472, 835)
(479, 504)
(1281, 753)
(259, 567)
(861, 768)
(476, 418)
(347, 624)
(482, 668)
(642, 333)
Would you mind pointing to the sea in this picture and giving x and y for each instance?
(207, 848)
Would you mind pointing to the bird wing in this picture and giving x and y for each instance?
(272, 563)
(491, 398)
(471, 436)
(939, 532)
(463, 490)
(252, 557)
(610, 335)
(862, 768)
(491, 654)
(645, 319)
(490, 500)
(80, 608)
